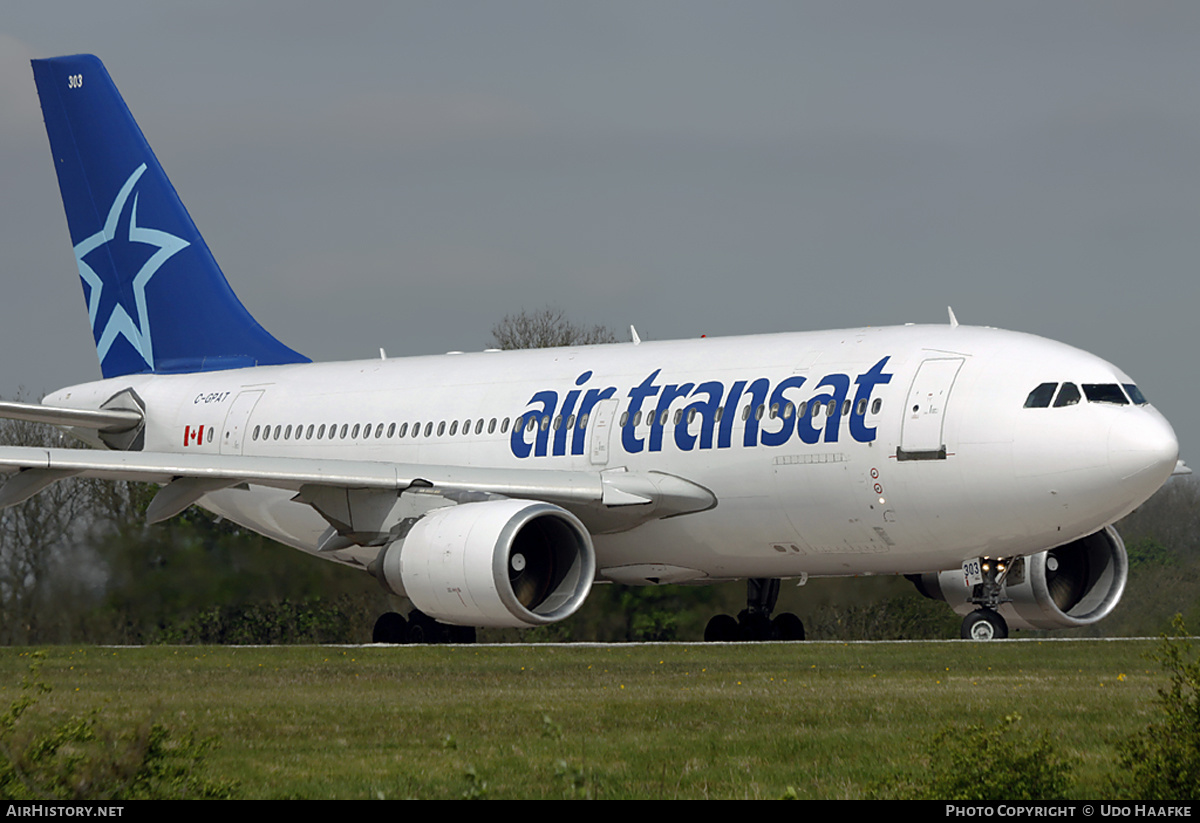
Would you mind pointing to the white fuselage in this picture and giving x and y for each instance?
(937, 463)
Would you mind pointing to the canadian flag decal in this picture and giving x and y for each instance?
(193, 437)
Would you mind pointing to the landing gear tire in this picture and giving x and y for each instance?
(984, 624)
(721, 629)
(390, 628)
(788, 627)
(754, 623)
(424, 629)
(755, 628)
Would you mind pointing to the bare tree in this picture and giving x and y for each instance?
(544, 329)
(44, 564)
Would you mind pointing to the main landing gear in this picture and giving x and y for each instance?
(985, 623)
(754, 622)
(419, 628)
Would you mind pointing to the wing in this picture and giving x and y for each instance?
(606, 501)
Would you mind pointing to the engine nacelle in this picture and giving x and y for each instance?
(1072, 585)
(499, 563)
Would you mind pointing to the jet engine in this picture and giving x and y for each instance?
(1072, 585)
(500, 563)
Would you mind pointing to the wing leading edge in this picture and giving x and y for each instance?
(608, 501)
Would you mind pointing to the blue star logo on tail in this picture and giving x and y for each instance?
(126, 244)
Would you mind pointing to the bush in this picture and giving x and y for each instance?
(81, 759)
(263, 624)
(1149, 552)
(1163, 762)
(988, 764)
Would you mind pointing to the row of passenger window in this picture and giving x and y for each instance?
(531, 421)
(370, 431)
(1069, 395)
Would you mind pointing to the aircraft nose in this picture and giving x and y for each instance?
(1143, 452)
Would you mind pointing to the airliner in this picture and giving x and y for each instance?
(493, 489)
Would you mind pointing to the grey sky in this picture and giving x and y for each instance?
(403, 174)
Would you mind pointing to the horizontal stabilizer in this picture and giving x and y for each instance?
(109, 421)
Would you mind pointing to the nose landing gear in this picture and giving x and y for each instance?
(985, 623)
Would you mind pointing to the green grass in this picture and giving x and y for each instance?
(831, 720)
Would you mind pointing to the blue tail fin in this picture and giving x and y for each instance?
(156, 299)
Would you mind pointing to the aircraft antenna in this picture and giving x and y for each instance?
(953, 319)
(633, 335)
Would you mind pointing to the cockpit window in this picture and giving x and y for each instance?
(1067, 396)
(1040, 397)
(1136, 395)
(1105, 393)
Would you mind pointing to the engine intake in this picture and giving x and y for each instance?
(1072, 585)
(499, 563)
